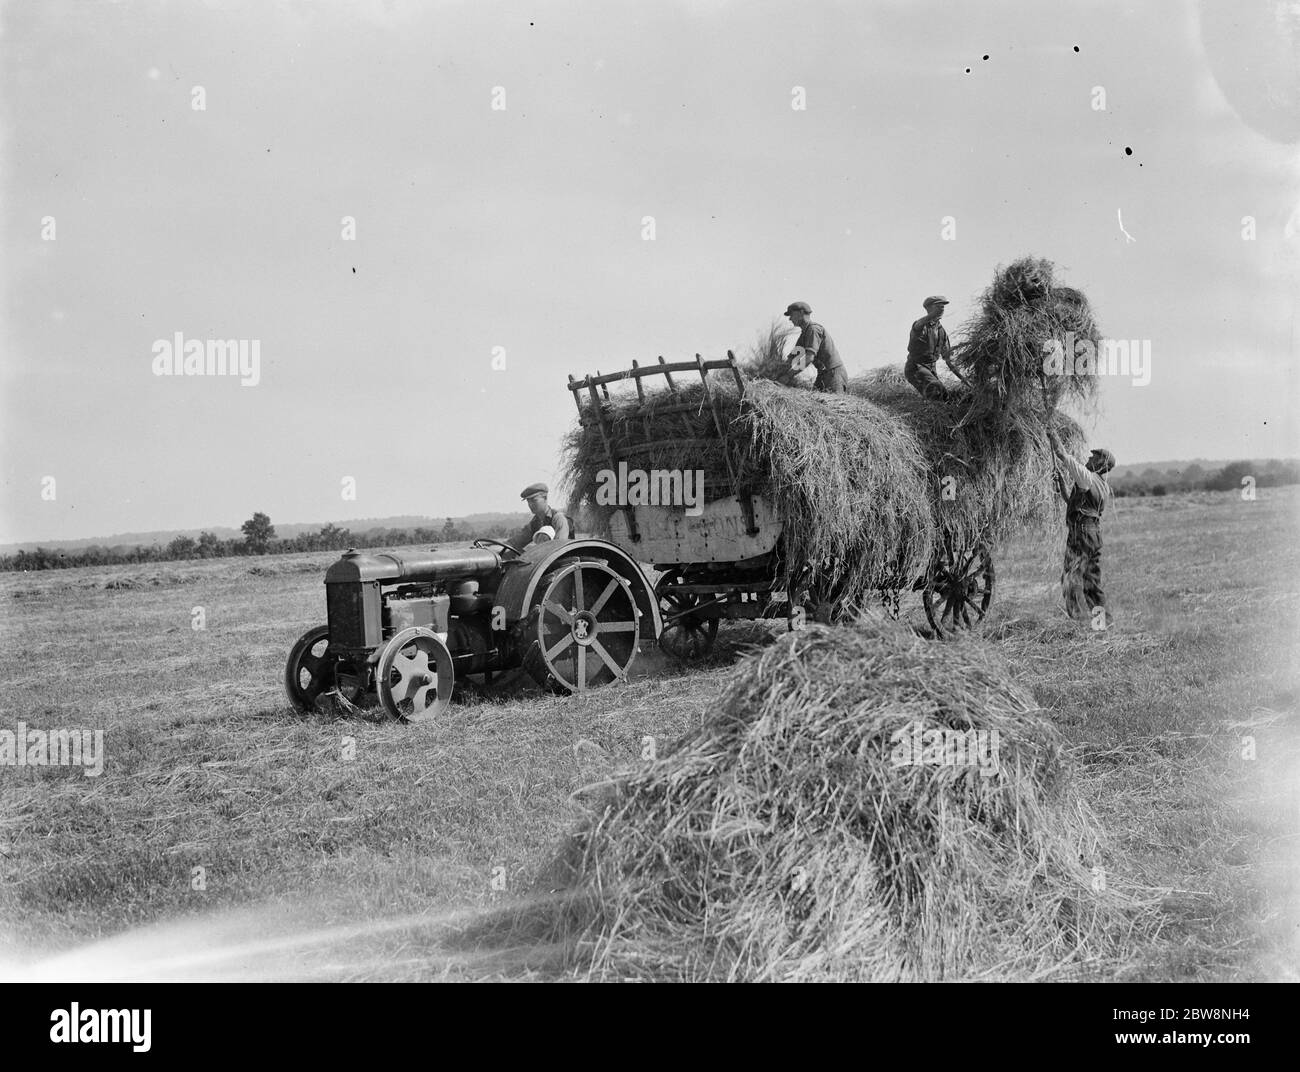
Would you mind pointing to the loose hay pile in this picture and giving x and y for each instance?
(869, 486)
(784, 840)
(987, 477)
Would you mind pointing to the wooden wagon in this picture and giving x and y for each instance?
(727, 560)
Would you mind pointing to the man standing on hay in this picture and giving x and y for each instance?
(926, 343)
(816, 348)
(1085, 491)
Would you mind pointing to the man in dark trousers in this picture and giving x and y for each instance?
(1085, 490)
(926, 344)
(816, 348)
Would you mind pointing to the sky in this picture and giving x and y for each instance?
(421, 365)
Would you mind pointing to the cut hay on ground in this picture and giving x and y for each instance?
(782, 841)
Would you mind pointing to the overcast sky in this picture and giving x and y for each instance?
(522, 228)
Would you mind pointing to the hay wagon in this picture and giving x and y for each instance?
(727, 560)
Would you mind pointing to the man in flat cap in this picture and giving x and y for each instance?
(925, 345)
(1085, 490)
(544, 516)
(815, 347)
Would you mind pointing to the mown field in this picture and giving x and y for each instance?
(344, 848)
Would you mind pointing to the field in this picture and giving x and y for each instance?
(228, 838)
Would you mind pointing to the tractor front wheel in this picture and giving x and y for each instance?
(415, 676)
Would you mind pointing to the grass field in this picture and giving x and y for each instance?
(356, 849)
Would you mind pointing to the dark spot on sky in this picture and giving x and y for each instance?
(1076, 48)
(968, 70)
(986, 57)
(1128, 150)
(354, 271)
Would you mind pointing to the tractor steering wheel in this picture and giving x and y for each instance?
(505, 547)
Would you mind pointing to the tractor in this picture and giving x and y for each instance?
(403, 627)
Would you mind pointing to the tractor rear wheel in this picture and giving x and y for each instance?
(585, 628)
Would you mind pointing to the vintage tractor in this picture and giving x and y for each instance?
(403, 626)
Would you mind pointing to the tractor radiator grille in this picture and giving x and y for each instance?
(347, 619)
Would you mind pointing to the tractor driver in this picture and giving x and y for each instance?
(545, 516)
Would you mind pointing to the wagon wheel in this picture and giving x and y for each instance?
(587, 627)
(958, 589)
(415, 676)
(820, 599)
(686, 636)
(312, 671)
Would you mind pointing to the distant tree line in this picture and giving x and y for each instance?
(1151, 481)
(259, 539)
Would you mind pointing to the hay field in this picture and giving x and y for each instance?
(386, 865)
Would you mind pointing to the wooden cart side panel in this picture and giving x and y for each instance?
(718, 534)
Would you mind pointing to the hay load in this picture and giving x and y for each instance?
(1001, 350)
(989, 476)
(989, 445)
(817, 827)
(870, 485)
(850, 479)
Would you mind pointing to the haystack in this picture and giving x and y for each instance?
(817, 827)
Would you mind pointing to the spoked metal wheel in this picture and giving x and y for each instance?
(587, 624)
(686, 635)
(958, 589)
(313, 671)
(821, 600)
(415, 676)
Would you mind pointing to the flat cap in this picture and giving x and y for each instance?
(934, 299)
(1107, 458)
(534, 489)
(797, 307)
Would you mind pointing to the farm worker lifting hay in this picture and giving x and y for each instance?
(926, 343)
(1085, 491)
(545, 516)
(816, 348)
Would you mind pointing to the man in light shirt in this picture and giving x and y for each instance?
(544, 516)
(817, 348)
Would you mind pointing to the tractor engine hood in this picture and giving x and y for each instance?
(412, 566)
